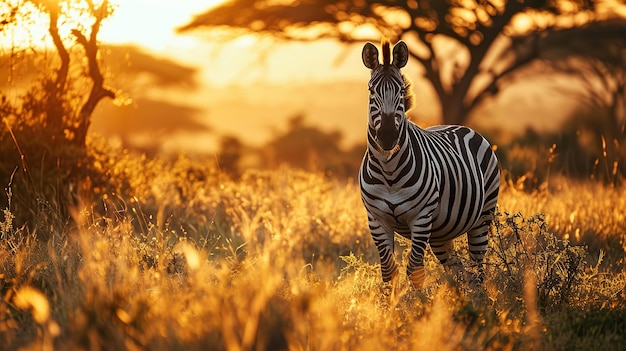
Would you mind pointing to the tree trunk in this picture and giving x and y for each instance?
(98, 90)
(56, 88)
(453, 111)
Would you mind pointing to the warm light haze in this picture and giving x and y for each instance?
(252, 85)
(243, 174)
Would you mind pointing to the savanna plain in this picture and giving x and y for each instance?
(177, 254)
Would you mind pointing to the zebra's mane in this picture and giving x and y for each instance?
(409, 97)
(386, 46)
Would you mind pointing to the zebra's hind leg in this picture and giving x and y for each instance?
(448, 259)
(477, 239)
(442, 251)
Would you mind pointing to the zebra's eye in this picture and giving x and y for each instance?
(371, 90)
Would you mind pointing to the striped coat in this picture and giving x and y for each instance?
(428, 185)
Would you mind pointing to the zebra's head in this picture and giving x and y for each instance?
(390, 93)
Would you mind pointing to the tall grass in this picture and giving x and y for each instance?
(176, 255)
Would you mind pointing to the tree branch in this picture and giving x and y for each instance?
(430, 64)
(54, 105)
(53, 29)
(520, 60)
(489, 36)
(98, 91)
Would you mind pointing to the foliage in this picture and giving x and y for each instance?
(177, 255)
(301, 146)
(585, 147)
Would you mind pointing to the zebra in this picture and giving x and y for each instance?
(428, 185)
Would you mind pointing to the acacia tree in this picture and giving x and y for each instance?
(460, 81)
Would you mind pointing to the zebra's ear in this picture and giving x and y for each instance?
(370, 56)
(400, 54)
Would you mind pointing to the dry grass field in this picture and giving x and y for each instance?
(176, 255)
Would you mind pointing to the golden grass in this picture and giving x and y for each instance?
(180, 256)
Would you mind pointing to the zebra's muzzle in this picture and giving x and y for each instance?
(389, 153)
(387, 135)
(377, 144)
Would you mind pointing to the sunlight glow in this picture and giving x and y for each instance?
(148, 23)
(244, 41)
(522, 22)
(26, 26)
(151, 23)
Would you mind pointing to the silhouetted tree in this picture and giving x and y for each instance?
(596, 57)
(303, 146)
(144, 119)
(593, 140)
(43, 154)
(51, 103)
(230, 153)
(129, 62)
(307, 147)
(479, 32)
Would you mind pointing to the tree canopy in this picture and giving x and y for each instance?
(461, 80)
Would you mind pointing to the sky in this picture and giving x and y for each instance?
(150, 23)
(242, 82)
(277, 62)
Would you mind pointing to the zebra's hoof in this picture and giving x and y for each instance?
(478, 279)
(390, 285)
(417, 278)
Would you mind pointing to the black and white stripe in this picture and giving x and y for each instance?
(429, 185)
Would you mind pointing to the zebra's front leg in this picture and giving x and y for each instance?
(383, 238)
(420, 234)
